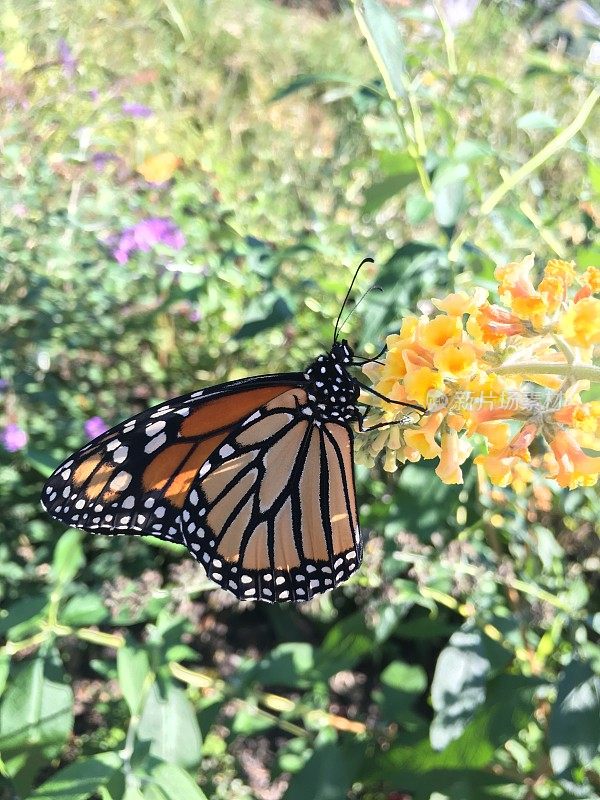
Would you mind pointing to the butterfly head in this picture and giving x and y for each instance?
(342, 353)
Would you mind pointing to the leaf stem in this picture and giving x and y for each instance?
(550, 149)
(580, 372)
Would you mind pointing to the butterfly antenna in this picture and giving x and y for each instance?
(358, 302)
(338, 327)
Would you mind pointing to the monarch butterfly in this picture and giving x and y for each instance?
(254, 476)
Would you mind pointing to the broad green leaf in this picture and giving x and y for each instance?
(574, 730)
(421, 769)
(41, 462)
(345, 645)
(84, 609)
(536, 121)
(378, 193)
(401, 685)
(396, 162)
(133, 670)
(4, 670)
(68, 557)
(386, 44)
(458, 686)
(169, 724)
(80, 779)
(172, 783)
(594, 175)
(328, 773)
(418, 208)
(249, 721)
(20, 618)
(449, 194)
(288, 664)
(37, 707)
(269, 311)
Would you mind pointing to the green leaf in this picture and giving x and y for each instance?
(396, 162)
(536, 121)
(412, 272)
(170, 724)
(288, 664)
(418, 208)
(386, 44)
(305, 81)
(378, 193)
(249, 721)
(345, 645)
(574, 730)
(79, 780)
(328, 773)
(594, 175)
(133, 670)
(458, 686)
(22, 615)
(37, 707)
(42, 462)
(4, 670)
(172, 783)
(84, 609)
(269, 311)
(449, 194)
(401, 685)
(68, 557)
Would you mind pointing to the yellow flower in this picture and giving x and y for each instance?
(455, 451)
(459, 303)
(573, 466)
(496, 323)
(423, 440)
(591, 277)
(159, 168)
(581, 324)
(458, 360)
(439, 330)
(420, 382)
(564, 270)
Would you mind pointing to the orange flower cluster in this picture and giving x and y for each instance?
(502, 379)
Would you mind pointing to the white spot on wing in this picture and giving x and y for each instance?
(155, 443)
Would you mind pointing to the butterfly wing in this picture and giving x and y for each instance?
(136, 477)
(272, 514)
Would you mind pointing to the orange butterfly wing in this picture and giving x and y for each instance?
(272, 514)
(136, 477)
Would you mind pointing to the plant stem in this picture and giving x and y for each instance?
(580, 372)
(553, 146)
(448, 38)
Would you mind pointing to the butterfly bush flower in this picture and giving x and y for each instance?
(13, 438)
(136, 110)
(504, 379)
(94, 426)
(145, 235)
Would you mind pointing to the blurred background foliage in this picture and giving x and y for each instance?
(462, 660)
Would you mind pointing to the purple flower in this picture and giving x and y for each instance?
(145, 235)
(101, 158)
(136, 110)
(94, 426)
(13, 438)
(4, 384)
(67, 59)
